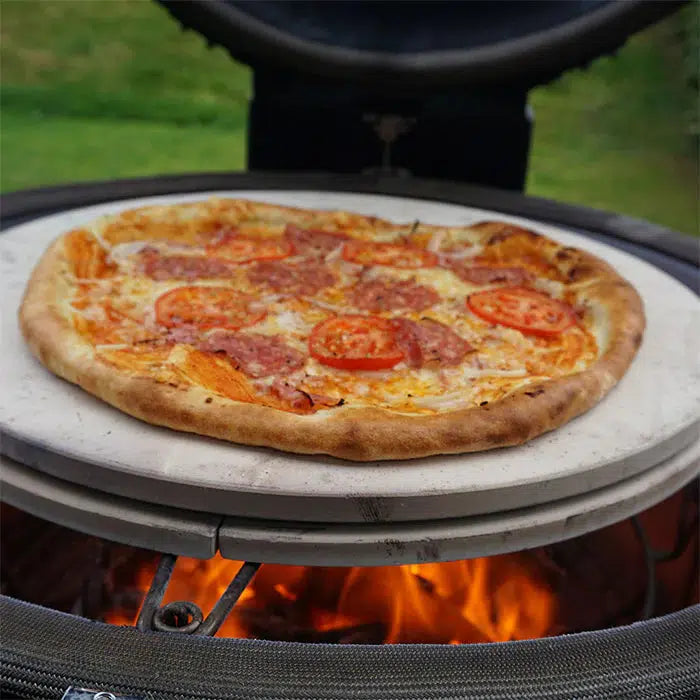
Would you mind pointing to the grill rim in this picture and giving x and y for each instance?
(43, 651)
(46, 648)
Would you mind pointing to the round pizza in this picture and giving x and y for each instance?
(331, 332)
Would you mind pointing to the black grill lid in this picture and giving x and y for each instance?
(420, 43)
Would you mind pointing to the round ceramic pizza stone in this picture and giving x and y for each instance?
(56, 427)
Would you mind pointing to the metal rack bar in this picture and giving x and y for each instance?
(229, 598)
(152, 601)
(185, 617)
(653, 556)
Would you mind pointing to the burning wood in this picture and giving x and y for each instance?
(264, 624)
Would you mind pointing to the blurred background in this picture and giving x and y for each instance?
(102, 89)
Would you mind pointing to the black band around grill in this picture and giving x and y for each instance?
(44, 652)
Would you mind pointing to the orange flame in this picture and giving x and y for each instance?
(496, 598)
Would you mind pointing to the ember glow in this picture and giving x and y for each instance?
(497, 598)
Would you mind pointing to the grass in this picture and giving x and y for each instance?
(109, 47)
(97, 89)
(617, 136)
(119, 91)
(62, 149)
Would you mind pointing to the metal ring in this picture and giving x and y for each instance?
(104, 695)
(169, 617)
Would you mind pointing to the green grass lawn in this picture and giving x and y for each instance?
(617, 136)
(98, 89)
(70, 149)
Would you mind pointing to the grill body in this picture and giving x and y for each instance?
(43, 652)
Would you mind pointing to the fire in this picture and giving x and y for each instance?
(496, 598)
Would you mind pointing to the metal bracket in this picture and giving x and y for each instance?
(84, 694)
(388, 128)
(185, 617)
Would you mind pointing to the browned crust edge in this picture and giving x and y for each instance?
(357, 434)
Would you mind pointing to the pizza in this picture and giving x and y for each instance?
(331, 332)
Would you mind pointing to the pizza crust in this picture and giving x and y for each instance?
(354, 433)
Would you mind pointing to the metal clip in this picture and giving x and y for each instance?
(85, 694)
(183, 616)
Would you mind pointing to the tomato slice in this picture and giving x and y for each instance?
(244, 249)
(206, 307)
(355, 342)
(523, 309)
(404, 256)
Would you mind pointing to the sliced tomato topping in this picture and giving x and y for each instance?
(244, 249)
(206, 307)
(355, 342)
(404, 256)
(523, 309)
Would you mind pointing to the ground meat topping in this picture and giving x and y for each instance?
(387, 295)
(254, 354)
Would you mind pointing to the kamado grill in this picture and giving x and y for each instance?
(586, 537)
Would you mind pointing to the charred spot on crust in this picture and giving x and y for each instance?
(558, 408)
(483, 403)
(208, 399)
(535, 392)
(500, 236)
(637, 340)
(350, 442)
(565, 253)
(578, 272)
(520, 429)
(508, 231)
